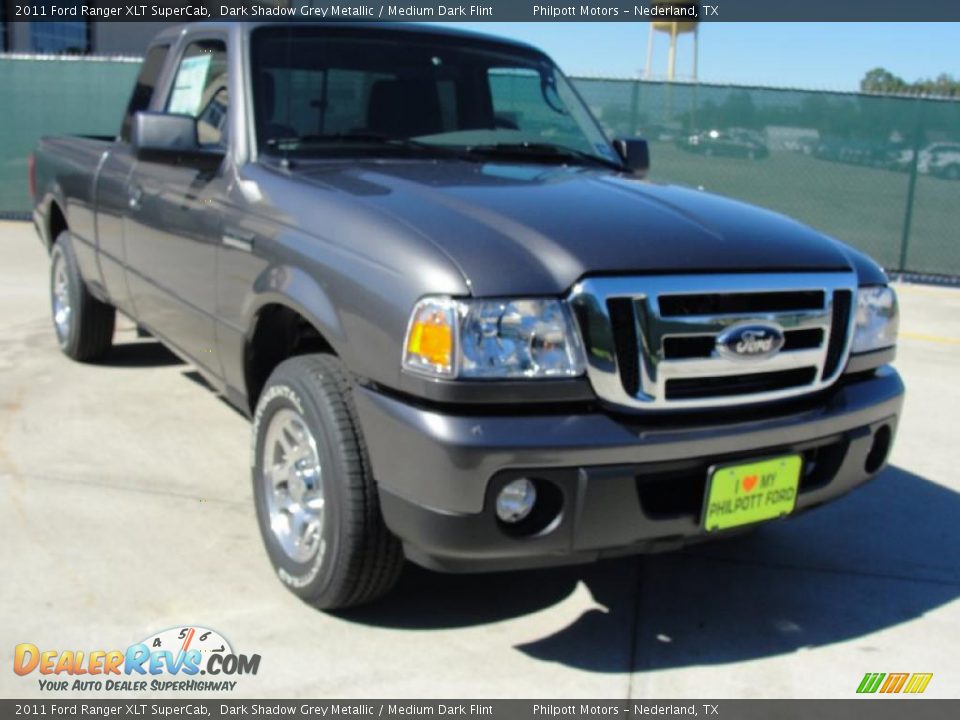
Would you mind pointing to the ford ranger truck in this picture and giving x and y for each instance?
(468, 331)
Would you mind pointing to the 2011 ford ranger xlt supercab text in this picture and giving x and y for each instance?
(468, 331)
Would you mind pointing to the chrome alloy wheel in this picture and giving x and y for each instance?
(62, 311)
(293, 485)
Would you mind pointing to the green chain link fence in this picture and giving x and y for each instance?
(879, 172)
(54, 96)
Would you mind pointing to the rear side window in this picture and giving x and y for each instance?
(200, 90)
(143, 90)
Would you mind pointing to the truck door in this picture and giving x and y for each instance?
(112, 185)
(173, 222)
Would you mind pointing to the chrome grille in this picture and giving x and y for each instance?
(651, 341)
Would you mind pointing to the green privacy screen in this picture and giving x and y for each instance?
(881, 173)
(54, 97)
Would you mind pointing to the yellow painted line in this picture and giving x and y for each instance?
(931, 338)
(934, 290)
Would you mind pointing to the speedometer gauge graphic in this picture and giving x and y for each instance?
(192, 637)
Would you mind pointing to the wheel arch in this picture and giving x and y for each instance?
(290, 315)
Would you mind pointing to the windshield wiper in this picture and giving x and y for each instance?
(294, 141)
(298, 142)
(544, 150)
(525, 150)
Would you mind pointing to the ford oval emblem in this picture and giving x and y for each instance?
(750, 341)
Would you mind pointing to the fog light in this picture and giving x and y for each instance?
(516, 500)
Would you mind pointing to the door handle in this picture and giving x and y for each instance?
(238, 239)
(134, 196)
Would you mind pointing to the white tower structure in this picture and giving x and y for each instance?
(673, 30)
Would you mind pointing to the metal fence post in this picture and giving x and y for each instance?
(911, 190)
(634, 109)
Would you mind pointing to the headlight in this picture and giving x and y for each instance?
(878, 319)
(499, 339)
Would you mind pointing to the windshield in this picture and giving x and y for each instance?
(333, 91)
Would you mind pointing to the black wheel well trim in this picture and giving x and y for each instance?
(56, 223)
(278, 331)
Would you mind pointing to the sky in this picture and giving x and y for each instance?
(818, 56)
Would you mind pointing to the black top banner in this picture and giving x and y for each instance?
(486, 709)
(486, 10)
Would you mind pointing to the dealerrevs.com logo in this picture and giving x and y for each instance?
(172, 660)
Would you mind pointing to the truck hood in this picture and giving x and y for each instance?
(531, 229)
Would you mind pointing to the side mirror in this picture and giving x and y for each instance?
(635, 154)
(172, 139)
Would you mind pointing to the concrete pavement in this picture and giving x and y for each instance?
(125, 509)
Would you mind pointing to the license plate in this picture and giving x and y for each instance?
(751, 492)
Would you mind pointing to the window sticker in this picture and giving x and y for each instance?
(188, 87)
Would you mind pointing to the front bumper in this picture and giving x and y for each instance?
(621, 484)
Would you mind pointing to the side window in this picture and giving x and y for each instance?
(143, 90)
(200, 90)
(517, 102)
(541, 108)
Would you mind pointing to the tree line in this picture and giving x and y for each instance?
(882, 81)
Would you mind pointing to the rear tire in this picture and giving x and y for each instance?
(316, 499)
(83, 325)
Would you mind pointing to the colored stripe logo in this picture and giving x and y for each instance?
(889, 683)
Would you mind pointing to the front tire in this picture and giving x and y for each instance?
(316, 499)
(83, 325)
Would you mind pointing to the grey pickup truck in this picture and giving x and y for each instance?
(468, 332)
